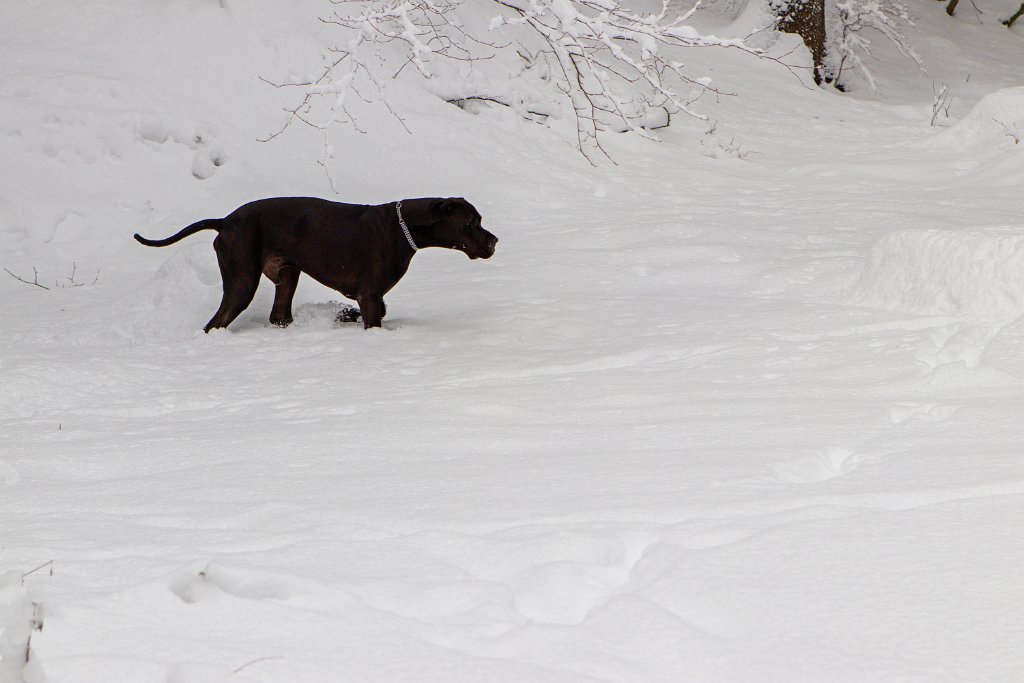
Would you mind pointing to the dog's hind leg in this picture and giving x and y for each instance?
(285, 279)
(237, 296)
(240, 271)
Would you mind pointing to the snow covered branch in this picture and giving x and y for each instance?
(612, 65)
(610, 60)
(855, 20)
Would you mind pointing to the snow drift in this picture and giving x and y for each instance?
(976, 274)
(996, 120)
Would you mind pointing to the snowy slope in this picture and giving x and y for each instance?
(701, 418)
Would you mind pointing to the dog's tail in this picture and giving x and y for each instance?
(207, 224)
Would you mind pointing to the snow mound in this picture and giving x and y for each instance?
(997, 118)
(19, 617)
(183, 289)
(976, 274)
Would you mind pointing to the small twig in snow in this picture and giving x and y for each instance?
(256, 661)
(940, 105)
(70, 281)
(33, 282)
(1009, 132)
(44, 565)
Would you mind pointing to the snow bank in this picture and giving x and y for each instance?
(989, 141)
(997, 119)
(19, 617)
(973, 274)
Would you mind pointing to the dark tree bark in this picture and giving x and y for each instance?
(806, 18)
(1016, 15)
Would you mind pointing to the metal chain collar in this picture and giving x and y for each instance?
(405, 228)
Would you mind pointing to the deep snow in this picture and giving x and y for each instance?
(701, 418)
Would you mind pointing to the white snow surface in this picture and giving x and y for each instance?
(743, 406)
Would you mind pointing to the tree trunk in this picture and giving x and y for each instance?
(1015, 17)
(806, 18)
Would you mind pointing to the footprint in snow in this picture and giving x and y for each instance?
(216, 580)
(957, 343)
(568, 591)
(526, 573)
(828, 464)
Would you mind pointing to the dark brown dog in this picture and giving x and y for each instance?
(361, 251)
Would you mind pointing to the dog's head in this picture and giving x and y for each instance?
(458, 226)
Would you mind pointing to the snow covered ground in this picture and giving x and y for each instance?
(701, 418)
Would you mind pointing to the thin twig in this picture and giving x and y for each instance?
(34, 282)
(256, 661)
(70, 280)
(44, 565)
(1009, 132)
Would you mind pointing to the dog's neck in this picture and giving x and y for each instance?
(405, 228)
(416, 223)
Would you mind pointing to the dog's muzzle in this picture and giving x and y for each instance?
(484, 250)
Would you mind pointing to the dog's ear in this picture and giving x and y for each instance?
(442, 207)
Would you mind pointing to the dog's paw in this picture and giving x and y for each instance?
(348, 314)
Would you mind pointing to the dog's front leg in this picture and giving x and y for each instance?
(372, 309)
